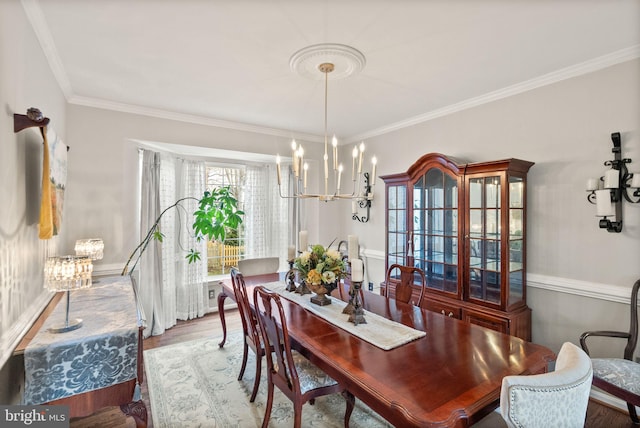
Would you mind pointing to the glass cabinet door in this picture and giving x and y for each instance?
(516, 240)
(435, 229)
(397, 234)
(484, 238)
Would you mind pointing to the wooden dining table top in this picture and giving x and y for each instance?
(449, 378)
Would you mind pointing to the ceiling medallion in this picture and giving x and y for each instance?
(347, 61)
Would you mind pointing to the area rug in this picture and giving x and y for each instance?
(195, 384)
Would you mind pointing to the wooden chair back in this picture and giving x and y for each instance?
(619, 378)
(259, 266)
(273, 326)
(249, 320)
(284, 371)
(405, 283)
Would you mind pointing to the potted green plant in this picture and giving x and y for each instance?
(217, 211)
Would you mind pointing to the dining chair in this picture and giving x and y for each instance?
(299, 379)
(251, 337)
(404, 283)
(259, 266)
(620, 376)
(555, 399)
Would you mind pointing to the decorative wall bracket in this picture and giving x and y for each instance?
(34, 117)
(364, 202)
(617, 185)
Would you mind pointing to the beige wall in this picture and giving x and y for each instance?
(25, 81)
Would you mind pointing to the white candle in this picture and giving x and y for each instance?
(301, 157)
(278, 169)
(352, 245)
(306, 168)
(592, 184)
(604, 206)
(635, 181)
(374, 161)
(353, 164)
(357, 270)
(360, 158)
(303, 240)
(294, 147)
(354, 207)
(334, 143)
(611, 179)
(291, 252)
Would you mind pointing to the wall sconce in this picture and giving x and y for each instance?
(65, 274)
(364, 201)
(617, 184)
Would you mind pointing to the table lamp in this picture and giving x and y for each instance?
(67, 273)
(92, 248)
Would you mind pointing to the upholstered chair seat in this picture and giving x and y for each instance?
(619, 372)
(309, 375)
(259, 266)
(555, 399)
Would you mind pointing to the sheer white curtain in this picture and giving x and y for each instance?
(149, 284)
(191, 278)
(169, 287)
(267, 217)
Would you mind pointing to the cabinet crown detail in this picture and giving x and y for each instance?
(464, 225)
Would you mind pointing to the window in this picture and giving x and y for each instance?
(221, 256)
(267, 220)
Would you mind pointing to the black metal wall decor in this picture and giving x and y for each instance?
(616, 185)
(364, 203)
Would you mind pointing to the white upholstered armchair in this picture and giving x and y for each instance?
(555, 399)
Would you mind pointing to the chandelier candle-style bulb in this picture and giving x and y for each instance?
(278, 169)
(334, 143)
(353, 166)
(306, 168)
(360, 158)
(374, 162)
(339, 177)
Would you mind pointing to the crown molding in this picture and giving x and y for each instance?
(41, 29)
(576, 70)
(189, 118)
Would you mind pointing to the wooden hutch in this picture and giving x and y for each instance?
(464, 225)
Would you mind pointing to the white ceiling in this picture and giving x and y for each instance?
(227, 62)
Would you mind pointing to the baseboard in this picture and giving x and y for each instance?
(608, 400)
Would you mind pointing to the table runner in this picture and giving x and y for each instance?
(101, 353)
(379, 331)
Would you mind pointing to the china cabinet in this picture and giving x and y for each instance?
(464, 225)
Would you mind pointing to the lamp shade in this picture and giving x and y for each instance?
(67, 273)
(92, 248)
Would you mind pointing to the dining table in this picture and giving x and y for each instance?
(449, 375)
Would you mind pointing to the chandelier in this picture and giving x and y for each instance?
(348, 60)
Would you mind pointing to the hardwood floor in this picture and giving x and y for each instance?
(598, 415)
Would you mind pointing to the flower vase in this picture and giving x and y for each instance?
(321, 290)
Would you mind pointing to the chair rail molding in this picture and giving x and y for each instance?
(608, 292)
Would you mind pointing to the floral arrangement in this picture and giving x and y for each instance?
(320, 265)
